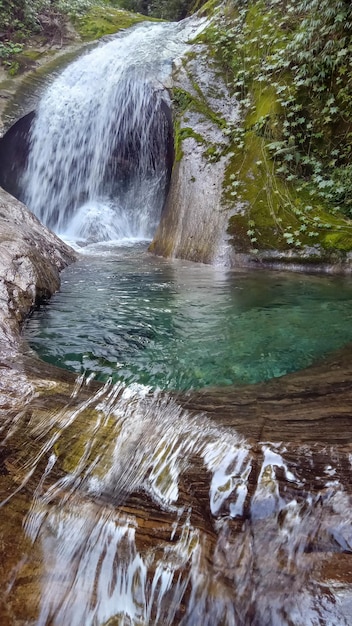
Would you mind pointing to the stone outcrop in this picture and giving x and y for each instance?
(194, 221)
(227, 203)
(31, 258)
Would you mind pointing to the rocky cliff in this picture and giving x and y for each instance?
(259, 160)
(31, 258)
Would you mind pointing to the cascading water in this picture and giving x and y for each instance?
(143, 514)
(127, 509)
(101, 141)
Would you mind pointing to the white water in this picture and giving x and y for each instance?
(98, 167)
(84, 461)
(255, 560)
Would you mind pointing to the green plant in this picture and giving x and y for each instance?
(8, 49)
(21, 19)
(287, 62)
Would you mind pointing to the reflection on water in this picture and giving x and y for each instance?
(177, 325)
(127, 510)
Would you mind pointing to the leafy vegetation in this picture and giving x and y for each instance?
(47, 20)
(288, 63)
(23, 19)
(164, 9)
(103, 20)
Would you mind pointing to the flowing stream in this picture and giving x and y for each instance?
(128, 510)
(100, 145)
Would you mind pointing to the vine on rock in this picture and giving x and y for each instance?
(288, 63)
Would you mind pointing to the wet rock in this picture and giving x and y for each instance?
(175, 514)
(31, 258)
(224, 203)
(194, 221)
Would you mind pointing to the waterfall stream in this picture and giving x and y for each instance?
(131, 511)
(101, 142)
(130, 507)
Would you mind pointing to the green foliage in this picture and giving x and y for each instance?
(288, 63)
(23, 19)
(99, 21)
(17, 16)
(164, 9)
(9, 48)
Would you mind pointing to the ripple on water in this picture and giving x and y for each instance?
(136, 512)
(178, 325)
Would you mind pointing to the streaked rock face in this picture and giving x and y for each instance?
(127, 508)
(31, 258)
(194, 221)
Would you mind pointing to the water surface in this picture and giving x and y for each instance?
(124, 313)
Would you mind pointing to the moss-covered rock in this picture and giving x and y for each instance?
(282, 189)
(100, 21)
(194, 220)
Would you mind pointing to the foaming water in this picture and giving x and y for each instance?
(100, 155)
(136, 512)
(175, 325)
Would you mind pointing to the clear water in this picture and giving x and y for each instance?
(176, 325)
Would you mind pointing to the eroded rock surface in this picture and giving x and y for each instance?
(194, 221)
(31, 258)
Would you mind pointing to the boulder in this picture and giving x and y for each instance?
(194, 221)
(31, 258)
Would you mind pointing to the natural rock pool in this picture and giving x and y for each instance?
(226, 505)
(178, 325)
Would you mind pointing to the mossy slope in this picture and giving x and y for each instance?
(287, 179)
(101, 20)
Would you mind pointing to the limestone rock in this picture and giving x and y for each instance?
(194, 221)
(31, 258)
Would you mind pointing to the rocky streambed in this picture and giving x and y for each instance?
(121, 506)
(234, 492)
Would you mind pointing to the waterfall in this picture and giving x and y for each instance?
(100, 150)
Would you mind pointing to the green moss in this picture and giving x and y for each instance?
(22, 62)
(183, 100)
(14, 68)
(208, 9)
(177, 141)
(276, 214)
(186, 132)
(32, 55)
(100, 21)
(180, 134)
(339, 240)
(275, 206)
